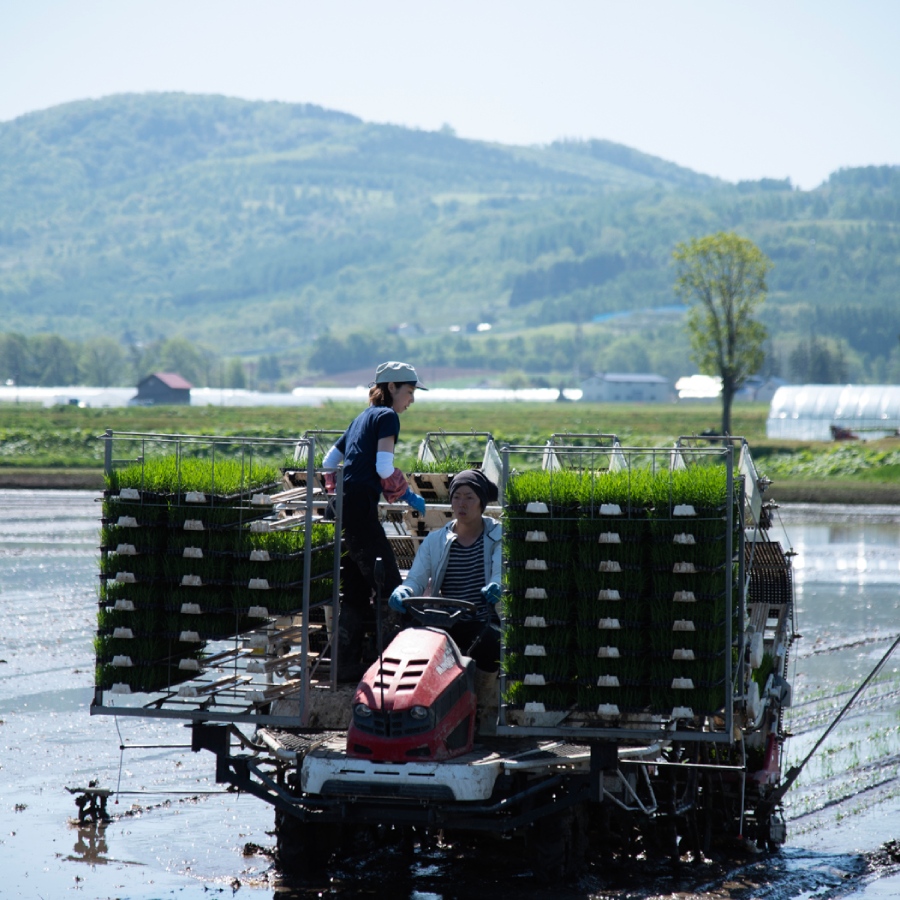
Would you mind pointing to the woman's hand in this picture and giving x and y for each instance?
(399, 597)
(415, 501)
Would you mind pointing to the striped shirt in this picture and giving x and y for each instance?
(464, 576)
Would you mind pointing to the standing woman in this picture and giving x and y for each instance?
(367, 451)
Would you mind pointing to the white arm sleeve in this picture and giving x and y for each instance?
(333, 459)
(384, 464)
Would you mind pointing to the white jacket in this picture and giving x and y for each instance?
(430, 563)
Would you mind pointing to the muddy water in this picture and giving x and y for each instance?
(174, 833)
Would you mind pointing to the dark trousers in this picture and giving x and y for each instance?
(486, 639)
(365, 541)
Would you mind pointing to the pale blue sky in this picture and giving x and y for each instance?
(771, 88)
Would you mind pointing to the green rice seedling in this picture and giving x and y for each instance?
(179, 539)
(675, 541)
(555, 578)
(210, 570)
(450, 465)
(141, 647)
(177, 473)
(321, 591)
(141, 514)
(612, 578)
(629, 668)
(764, 670)
(135, 634)
(705, 610)
(223, 515)
(705, 488)
(555, 634)
(554, 697)
(703, 585)
(617, 630)
(539, 543)
(621, 543)
(216, 618)
(600, 493)
(554, 667)
(276, 571)
(142, 538)
(594, 586)
(558, 489)
(625, 697)
(288, 542)
(142, 566)
(277, 599)
(552, 604)
(132, 595)
(588, 633)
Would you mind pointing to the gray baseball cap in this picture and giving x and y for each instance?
(399, 373)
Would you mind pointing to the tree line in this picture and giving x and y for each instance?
(50, 360)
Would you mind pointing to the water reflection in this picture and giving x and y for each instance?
(91, 846)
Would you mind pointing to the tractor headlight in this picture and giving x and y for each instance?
(362, 711)
(418, 712)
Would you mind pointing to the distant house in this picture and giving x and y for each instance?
(609, 387)
(162, 389)
(757, 389)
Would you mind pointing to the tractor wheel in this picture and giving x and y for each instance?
(557, 845)
(304, 848)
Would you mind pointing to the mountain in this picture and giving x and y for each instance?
(281, 229)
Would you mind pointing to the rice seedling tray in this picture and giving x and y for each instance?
(258, 495)
(153, 509)
(282, 599)
(684, 634)
(214, 518)
(539, 698)
(682, 581)
(686, 694)
(434, 487)
(539, 544)
(612, 697)
(673, 546)
(297, 478)
(538, 573)
(144, 566)
(140, 677)
(549, 603)
(622, 630)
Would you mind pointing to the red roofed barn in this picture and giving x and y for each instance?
(162, 388)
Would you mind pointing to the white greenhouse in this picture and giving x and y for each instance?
(822, 412)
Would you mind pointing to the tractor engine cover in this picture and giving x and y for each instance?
(416, 703)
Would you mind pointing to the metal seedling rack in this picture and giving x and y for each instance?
(623, 601)
(212, 596)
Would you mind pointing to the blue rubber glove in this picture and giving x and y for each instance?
(399, 597)
(415, 501)
(491, 592)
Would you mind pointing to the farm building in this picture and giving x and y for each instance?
(162, 388)
(821, 412)
(608, 387)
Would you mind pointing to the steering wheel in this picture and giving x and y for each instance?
(437, 612)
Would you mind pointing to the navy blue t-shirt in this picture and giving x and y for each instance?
(359, 444)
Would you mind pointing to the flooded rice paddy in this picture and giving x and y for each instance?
(175, 833)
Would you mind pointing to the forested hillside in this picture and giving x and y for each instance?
(308, 242)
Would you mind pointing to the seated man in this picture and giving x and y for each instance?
(462, 560)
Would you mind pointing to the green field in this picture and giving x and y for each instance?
(48, 444)
(69, 437)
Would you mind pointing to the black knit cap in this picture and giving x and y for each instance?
(484, 488)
